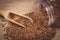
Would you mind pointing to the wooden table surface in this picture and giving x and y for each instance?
(57, 36)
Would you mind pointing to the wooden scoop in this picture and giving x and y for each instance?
(6, 14)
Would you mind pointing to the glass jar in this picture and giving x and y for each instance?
(56, 6)
(46, 6)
